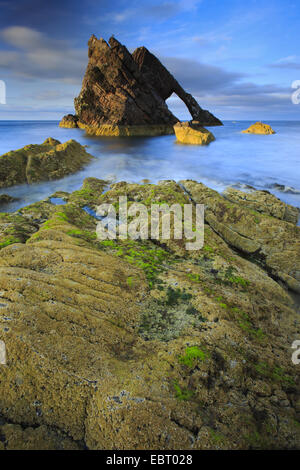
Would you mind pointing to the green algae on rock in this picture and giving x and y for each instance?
(198, 359)
(14, 228)
(42, 162)
(264, 202)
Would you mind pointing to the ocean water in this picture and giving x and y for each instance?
(233, 159)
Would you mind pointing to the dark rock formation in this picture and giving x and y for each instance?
(165, 85)
(124, 94)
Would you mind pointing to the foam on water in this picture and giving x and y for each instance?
(266, 162)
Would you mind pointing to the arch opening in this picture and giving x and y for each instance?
(178, 108)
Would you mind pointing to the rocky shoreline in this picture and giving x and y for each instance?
(143, 344)
(41, 162)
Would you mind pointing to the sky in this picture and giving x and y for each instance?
(239, 59)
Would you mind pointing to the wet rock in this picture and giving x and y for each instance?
(116, 130)
(90, 193)
(191, 133)
(284, 189)
(272, 242)
(51, 141)
(5, 199)
(69, 121)
(264, 202)
(16, 437)
(14, 228)
(87, 364)
(259, 128)
(121, 94)
(42, 162)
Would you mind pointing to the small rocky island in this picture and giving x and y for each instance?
(42, 162)
(125, 94)
(259, 128)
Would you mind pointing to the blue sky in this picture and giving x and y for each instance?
(237, 58)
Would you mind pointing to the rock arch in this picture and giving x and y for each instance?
(125, 94)
(165, 85)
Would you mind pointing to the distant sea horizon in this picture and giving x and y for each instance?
(269, 162)
(223, 120)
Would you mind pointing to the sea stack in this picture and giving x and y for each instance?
(259, 128)
(124, 94)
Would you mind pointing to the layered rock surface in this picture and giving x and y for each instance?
(42, 162)
(141, 344)
(264, 202)
(122, 94)
(274, 243)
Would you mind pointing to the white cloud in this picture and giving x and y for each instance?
(290, 58)
(290, 62)
(221, 91)
(22, 37)
(158, 10)
(212, 37)
(199, 78)
(38, 56)
(33, 55)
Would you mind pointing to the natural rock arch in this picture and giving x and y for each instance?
(165, 85)
(178, 108)
(125, 94)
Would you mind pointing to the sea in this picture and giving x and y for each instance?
(268, 162)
